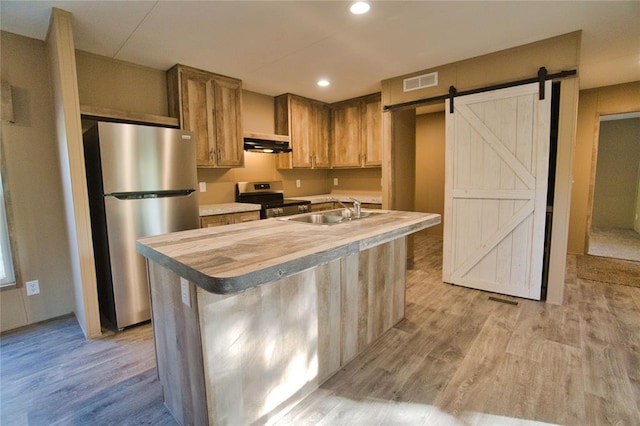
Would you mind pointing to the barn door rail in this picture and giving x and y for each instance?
(542, 76)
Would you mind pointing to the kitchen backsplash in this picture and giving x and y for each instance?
(220, 183)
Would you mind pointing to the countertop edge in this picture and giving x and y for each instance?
(226, 208)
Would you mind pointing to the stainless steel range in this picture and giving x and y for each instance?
(269, 194)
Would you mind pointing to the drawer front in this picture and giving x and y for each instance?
(216, 220)
(246, 217)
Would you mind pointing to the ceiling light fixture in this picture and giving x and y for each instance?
(323, 83)
(358, 8)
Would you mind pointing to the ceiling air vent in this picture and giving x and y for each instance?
(421, 81)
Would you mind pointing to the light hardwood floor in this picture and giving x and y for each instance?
(458, 358)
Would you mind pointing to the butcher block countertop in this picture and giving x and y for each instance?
(233, 258)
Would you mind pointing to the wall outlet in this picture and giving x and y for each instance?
(184, 292)
(203, 186)
(297, 183)
(33, 287)
(335, 181)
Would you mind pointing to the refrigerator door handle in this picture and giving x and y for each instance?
(147, 194)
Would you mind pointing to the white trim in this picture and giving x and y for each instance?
(7, 273)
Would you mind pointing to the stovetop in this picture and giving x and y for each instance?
(269, 194)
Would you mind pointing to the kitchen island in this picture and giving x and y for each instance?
(250, 318)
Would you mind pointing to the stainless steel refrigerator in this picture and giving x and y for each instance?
(141, 181)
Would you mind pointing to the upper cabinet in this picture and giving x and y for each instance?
(308, 124)
(210, 105)
(357, 132)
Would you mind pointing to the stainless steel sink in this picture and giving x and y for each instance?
(330, 217)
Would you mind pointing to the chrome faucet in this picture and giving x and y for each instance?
(357, 206)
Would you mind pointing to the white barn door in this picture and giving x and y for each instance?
(496, 172)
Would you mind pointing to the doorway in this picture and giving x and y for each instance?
(614, 228)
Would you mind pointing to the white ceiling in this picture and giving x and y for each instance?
(286, 46)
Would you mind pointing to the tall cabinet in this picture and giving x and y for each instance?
(307, 123)
(210, 105)
(357, 132)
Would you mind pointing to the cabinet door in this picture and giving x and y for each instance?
(216, 220)
(372, 132)
(346, 135)
(302, 125)
(227, 114)
(322, 133)
(197, 114)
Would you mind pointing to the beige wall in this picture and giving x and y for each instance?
(615, 190)
(109, 83)
(592, 104)
(403, 156)
(556, 54)
(430, 148)
(356, 180)
(34, 181)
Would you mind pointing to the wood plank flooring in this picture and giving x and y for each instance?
(458, 358)
(51, 375)
(461, 359)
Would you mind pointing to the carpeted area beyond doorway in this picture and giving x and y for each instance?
(608, 270)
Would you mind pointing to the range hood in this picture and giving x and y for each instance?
(267, 143)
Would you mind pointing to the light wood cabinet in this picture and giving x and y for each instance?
(357, 132)
(308, 124)
(228, 219)
(210, 105)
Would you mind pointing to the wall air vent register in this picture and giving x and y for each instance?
(420, 81)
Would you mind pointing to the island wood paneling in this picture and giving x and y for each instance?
(178, 347)
(267, 348)
(249, 357)
(373, 295)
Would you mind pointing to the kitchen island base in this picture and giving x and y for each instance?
(249, 357)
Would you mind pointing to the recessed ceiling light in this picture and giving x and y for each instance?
(323, 83)
(360, 7)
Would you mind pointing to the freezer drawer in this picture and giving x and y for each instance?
(126, 221)
(137, 158)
